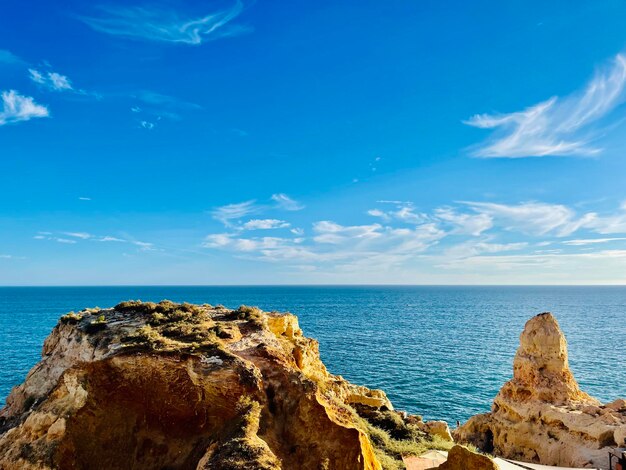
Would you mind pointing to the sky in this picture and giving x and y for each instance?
(312, 142)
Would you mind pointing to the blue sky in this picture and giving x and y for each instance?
(227, 142)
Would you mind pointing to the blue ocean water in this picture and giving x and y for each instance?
(442, 352)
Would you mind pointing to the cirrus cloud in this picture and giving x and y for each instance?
(558, 127)
(167, 26)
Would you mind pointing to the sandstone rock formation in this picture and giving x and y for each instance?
(182, 386)
(541, 415)
(460, 458)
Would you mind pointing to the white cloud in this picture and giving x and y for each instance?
(229, 213)
(240, 244)
(265, 224)
(18, 108)
(451, 241)
(81, 235)
(534, 218)
(82, 198)
(52, 80)
(111, 239)
(226, 214)
(285, 202)
(330, 232)
(408, 215)
(474, 248)
(378, 213)
(145, 246)
(470, 224)
(404, 212)
(340, 246)
(166, 26)
(218, 240)
(75, 237)
(59, 82)
(591, 241)
(63, 240)
(262, 243)
(557, 126)
(609, 224)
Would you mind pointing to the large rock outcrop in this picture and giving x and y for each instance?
(541, 415)
(180, 386)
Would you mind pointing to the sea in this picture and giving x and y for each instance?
(441, 352)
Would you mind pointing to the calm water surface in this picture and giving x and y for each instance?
(442, 352)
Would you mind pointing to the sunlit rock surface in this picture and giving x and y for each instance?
(541, 415)
(180, 386)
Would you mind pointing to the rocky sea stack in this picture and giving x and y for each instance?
(541, 415)
(181, 386)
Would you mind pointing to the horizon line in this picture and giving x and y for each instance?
(302, 285)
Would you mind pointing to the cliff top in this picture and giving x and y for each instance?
(173, 385)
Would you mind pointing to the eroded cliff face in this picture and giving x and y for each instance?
(181, 386)
(541, 415)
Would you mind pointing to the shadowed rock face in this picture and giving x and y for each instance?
(180, 386)
(541, 415)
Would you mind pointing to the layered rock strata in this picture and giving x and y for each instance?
(180, 386)
(542, 415)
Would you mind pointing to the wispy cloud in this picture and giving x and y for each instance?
(18, 108)
(591, 241)
(477, 247)
(465, 224)
(559, 127)
(339, 246)
(81, 235)
(83, 198)
(72, 238)
(460, 237)
(51, 80)
(152, 107)
(58, 83)
(331, 232)
(404, 212)
(166, 26)
(111, 239)
(230, 213)
(265, 224)
(144, 246)
(285, 202)
(534, 218)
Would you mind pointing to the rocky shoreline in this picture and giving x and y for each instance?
(182, 386)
